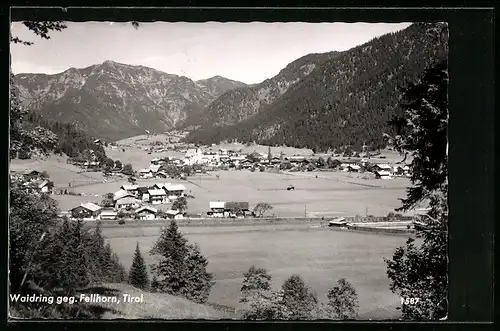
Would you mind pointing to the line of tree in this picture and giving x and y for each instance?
(294, 300)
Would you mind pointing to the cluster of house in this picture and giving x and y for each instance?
(159, 193)
(233, 209)
(91, 212)
(35, 182)
(381, 171)
(135, 201)
(157, 168)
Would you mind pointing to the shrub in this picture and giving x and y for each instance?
(255, 280)
(298, 298)
(342, 302)
(121, 221)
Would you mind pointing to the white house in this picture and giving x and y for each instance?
(216, 208)
(132, 189)
(174, 190)
(121, 194)
(174, 214)
(384, 167)
(193, 156)
(126, 202)
(158, 196)
(146, 213)
(353, 168)
(154, 168)
(382, 174)
(145, 173)
(45, 186)
(86, 211)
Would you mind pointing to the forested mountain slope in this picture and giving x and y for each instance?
(241, 103)
(345, 101)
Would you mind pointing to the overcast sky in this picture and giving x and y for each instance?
(248, 52)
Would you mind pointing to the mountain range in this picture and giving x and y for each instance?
(126, 99)
(319, 101)
(346, 100)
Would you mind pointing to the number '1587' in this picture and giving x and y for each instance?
(410, 301)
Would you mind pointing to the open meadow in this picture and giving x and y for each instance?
(316, 194)
(329, 195)
(319, 255)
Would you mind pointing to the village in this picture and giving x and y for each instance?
(164, 200)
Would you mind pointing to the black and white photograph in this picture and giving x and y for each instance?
(228, 170)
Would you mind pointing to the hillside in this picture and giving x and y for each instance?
(126, 99)
(347, 100)
(156, 306)
(241, 103)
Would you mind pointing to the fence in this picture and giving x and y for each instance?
(214, 221)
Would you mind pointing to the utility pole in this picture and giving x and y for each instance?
(305, 211)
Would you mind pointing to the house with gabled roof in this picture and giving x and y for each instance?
(45, 186)
(146, 213)
(382, 174)
(154, 168)
(87, 211)
(145, 173)
(132, 189)
(174, 214)
(121, 194)
(127, 202)
(158, 196)
(174, 190)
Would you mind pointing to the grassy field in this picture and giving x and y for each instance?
(320, 255)
(60, 172)
(330, 194)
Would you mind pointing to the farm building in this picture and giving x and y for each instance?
(86, 211)
(121, 194)
(127, 202)
(33, 176)
(174, 190)
(132, 189)
(353, 168)
(154, 168)
(108, 214)
(382, 174)
(145, 173)
(227, 209)
(216, 208)
(161, 174)
(295, 159)
(174, 214)
(236, 208)
(158, 196)
(46, 186)
(382, 167)
(158, 186)
(146, 213)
